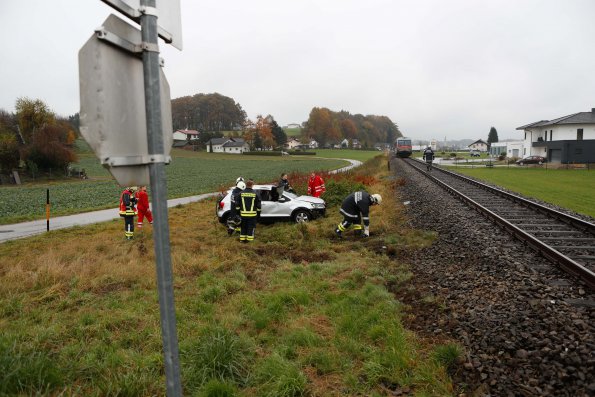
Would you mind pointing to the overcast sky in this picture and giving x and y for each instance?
(438, 68)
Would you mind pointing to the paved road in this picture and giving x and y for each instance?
(26, 229)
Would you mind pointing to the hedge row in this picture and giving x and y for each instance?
(263, 153)
(300, 153)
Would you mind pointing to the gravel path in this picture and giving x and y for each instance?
(528, 329)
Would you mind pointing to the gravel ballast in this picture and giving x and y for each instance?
(527, 328)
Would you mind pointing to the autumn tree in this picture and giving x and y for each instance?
(326, 126)
(348, 128)
(321, 126)
(9, 144)
(47, 141)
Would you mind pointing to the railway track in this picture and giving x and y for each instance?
(567, 241)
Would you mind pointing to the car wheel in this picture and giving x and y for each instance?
(541, 162)
(521, 163)
(301, 216)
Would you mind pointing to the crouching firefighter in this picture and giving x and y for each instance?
(355, 208)
(248, 205)
(234, 220)
(127, 211)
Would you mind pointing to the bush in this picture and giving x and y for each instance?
(337, 190)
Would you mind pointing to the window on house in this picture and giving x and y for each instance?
(579, 134)
(525, 135)
(551, 134)
(524, 151)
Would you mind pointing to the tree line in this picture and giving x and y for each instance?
(329, 127)
(207, 113)
(36, 137)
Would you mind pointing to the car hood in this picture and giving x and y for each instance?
(310, 199)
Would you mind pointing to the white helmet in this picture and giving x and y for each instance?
(240, 179)
(241, 185)
(376, 198)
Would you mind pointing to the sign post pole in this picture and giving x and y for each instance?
(151, 70)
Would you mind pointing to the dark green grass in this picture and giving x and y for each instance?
(572, 189)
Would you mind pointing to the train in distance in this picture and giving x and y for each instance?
(403, 147)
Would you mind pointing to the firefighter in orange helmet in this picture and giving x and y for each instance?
(128, 210)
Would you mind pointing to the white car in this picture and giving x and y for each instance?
(287, 207)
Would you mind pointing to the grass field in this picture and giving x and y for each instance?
(572, 189)
(295, 132)
(295, 313)
(361, 155)
(189, 173)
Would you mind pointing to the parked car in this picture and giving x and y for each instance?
(475, 153)
(531, 160)
(288, 206)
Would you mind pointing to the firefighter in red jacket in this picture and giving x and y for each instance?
(315, 185)
(142, 207)
(127, 211)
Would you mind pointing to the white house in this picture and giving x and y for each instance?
(313, 144)
(479, 145)
(228, 145)
(292, 143)
(567, 139)
(185, 135)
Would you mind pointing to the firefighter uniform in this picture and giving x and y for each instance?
(248, 205)
(127, 211)
(234, 220)
(355, 209)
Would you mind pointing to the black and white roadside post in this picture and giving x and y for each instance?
(126, 119)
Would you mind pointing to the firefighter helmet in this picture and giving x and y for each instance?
(132, 189)
(240, 179)
(376, 199)
(241, 185)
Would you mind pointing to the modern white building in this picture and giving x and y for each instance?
(513, 149)
(567, 139)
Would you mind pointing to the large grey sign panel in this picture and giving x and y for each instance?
(112, 115)
(169, 18)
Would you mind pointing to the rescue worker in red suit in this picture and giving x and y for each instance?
(127, 211)
(315, 185)
(355, 208)
(142, 207)
(248, 205)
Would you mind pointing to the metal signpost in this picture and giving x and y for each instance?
(126, 118)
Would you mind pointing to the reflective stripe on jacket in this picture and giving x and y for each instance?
(316, 186)
(355, 204)
(127, 201)
(248, 203)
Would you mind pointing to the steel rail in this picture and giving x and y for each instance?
(563, 261)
